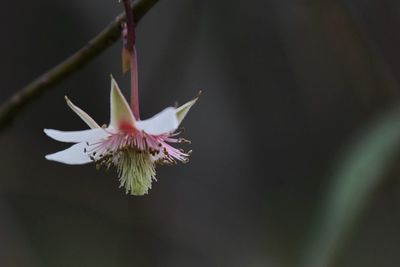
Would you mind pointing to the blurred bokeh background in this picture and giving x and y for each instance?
(296, 138)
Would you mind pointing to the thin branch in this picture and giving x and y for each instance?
(14, 105)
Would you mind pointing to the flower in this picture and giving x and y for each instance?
(133, 146)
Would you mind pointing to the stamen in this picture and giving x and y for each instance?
(136, 171)
(135, 155)
(184, 141)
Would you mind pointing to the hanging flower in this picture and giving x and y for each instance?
(132, 145)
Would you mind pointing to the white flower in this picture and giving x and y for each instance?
(133, 146)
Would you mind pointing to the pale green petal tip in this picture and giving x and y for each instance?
(82, 114)
(184, 109)
(120, 109)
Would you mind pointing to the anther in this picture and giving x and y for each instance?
(184, 141)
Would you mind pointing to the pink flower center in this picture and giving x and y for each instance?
(158, 146)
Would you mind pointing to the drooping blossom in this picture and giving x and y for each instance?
(133, 146)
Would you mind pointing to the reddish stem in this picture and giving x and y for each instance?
(134, 85)
(130, 24)
(130, 46)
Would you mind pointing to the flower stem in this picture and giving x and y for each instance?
(134, 85)
(130, 24)
(130, 46)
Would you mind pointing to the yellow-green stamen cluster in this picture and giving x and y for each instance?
(136, 171)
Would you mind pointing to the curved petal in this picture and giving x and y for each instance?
(164, 122)
(184, 109)
(82, 114)
(75, 155)
(121, 113)
(77, 136)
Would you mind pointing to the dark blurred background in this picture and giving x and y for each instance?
(289, 86)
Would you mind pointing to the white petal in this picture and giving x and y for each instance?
(121, 113)
(184, 109)
(75, 155)
(82, 114)
(164, 122)
(77, 136)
